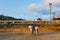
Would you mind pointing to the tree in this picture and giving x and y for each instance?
(38, 19)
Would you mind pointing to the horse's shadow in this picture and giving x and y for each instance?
(47, 33)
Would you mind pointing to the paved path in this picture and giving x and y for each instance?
(27, 36)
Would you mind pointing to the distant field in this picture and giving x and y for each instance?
(23, 29)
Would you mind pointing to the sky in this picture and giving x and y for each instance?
(29, 9)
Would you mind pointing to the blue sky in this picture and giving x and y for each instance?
(27, 9)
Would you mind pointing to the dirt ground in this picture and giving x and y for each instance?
(28, 36)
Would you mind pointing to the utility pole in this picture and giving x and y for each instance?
(53, 15)
(50, 4)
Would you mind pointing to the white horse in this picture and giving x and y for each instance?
(36, 29)
(30, 29)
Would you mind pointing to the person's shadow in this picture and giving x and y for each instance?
(47, 33)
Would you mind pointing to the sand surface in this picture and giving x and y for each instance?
(28, 36)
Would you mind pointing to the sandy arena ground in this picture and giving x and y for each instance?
(28, 36)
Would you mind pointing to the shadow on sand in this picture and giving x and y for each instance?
(48, 33)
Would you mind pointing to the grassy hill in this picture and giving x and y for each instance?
(2, 17)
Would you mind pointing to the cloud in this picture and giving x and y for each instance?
(31, 7)
(34, 7)
(39, 8)
(55, 7)
(45, 17)
(57, 14)
(55, 3)
(45, 9)
(45, 5)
